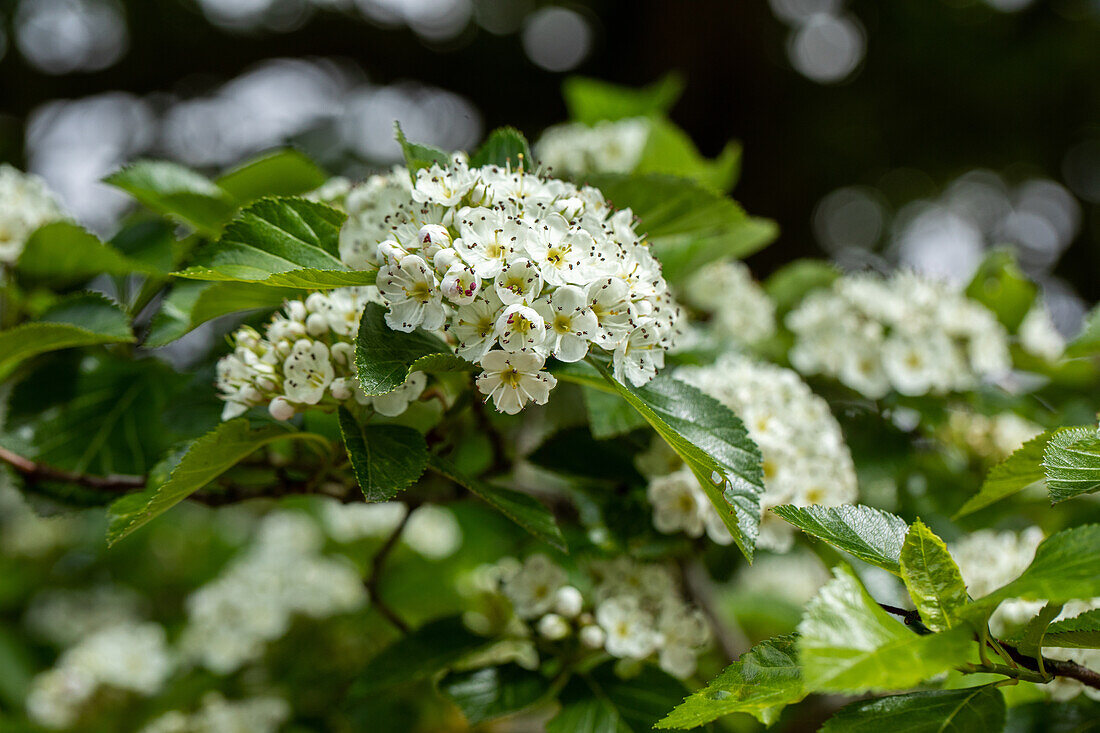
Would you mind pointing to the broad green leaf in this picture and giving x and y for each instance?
(687, 224)
(86, 319)
(521, 508)
(387, 459)
(191, 303)
(591, 100)
(847, 643)
(423, 652)
(419, 156)
(493, 692)
(761, 683)
(968, 710)
(1087, 342)
(206, 459)
(1002, 287)
(176, 192)
(788, 285)
(872, 535)
(280, 173)
(669, 150)
(1031, 643)
(1072, 463)
(712, 441)
(600, 702)
(1012, 475)
(63, 253)
(505, 146)
(284, 242)
(932, 578)
(1079, 632)
(609, 414)
(385, 358)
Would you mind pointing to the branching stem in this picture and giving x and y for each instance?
(377, 563)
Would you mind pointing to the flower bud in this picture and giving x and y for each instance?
(553, 627)
(340, 388)
(592, 637)
(281, 409)
(296, 310)
(568, 601)
(460, 285)
(316, 324)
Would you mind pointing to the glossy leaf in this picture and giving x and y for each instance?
(387, 459)
(601, 702)
(761, 683)
(1072, 463)
(591, 100)
(176, 192)
(671, 151)
(191, 303)
(1032, 641)
(505, 147)
(1079, 632)
(419, 156)
(1012, 475)
(609, 415)
(64, 253)
(932, 578)
(493, 692)
(385, 358)
(872, 535)
(420, 654)
(279, 173)
(967, 710)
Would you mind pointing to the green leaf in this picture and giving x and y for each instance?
(847, 643)
(872, 535)
(968, 710)
(1079, 632)
(279, 173)
(591, 100)
(420, 654)
(505, 146)
(609, 414)
(206, 459)
(1087, 342)
(1032, 642)
(1072, 463)
(286, 242)
(761, 683)
(788, 285)
(385, 358)
(63, 254)
(493, 692)
(521, 508)
(387, 459)
(932, 578)
(419, 156)
(687, 224)
(1000, 285)
(712, 441)
(1012, 475)
(176, 192)
(191, 303)
(669, 150)
(600, 702)
(86, 319)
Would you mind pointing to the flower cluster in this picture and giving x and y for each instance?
(513, 268)
(218, 715)
(739, 309)
(630, 610)
(574, 149)
(991, 437)
(25, 205)
(132, 657)
(988, 560)
(913, 335)
(805, 459)
(1039, 336)
(281, 574)
(305, 357)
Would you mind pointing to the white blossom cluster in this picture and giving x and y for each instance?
(805, 459)
(994, 437)
(512, 268)
(304, 358)
(25, 205)
(904, 333)
(1039, 336)
(631, 610)
(131, 657)
(610, 146)
(740, 310)
(218, 715)
(432, 531)
(989, 559)
(64, 616)
(282, 574)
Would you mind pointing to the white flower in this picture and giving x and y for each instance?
(443, 186)
(574, 149)
(461, 284)
(679, 505)
(570, 323)
(520, 328)
(533, 588)
(639, 355)
(489, 237)
(308, 372)
(25, 205)
(560, 252)
(741, 309)
(396, 402)
(511, 380)
(629, 634)
(412, 293)
(609, 299)
(518, 283)
(475, 327)
(1038, 335)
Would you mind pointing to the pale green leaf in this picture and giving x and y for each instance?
(609, 414)
(932, 578)
(279, 173)
(670, 150)
(1072, 463)
(1087, 342)
(969, 710)
(872, 535)
(63, 253)
(1002, 287)
(591, 100)
(387, 459)
(505, 147)
(385, 358)
(1031, 643)
(419, 156)
(788, 285)
(176, 192)
(191, 303)
(1012, 475)
(493, 692)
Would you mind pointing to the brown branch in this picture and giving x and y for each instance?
(375, 574)
(34, 472)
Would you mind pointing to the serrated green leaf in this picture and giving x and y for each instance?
(191, 303)
(419, 156)
(176, 192)
(1071, 462)
(505, 146)
(669, 150)
(872, 535)
(847, 643)
(1012, 475)
(86, 319)
(283, 242)
(968, 710)
(493, 692)
(64, 253)
(1002, 287)
(1079, 632)
(1087, 342)
(521, 508)
(279, 173)
(932, 578)
(1031, 643)
(418, 655)
(387, 459)
(206, 459)
(788, 285)
(761, 683)
(687, 224)
(385, 358)
(609, 415)
(713, 442)
(601, 702)
(591, 100)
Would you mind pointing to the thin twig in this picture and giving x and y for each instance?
(500, 458)
(700, 591)
(375, 574)
(33, 472)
